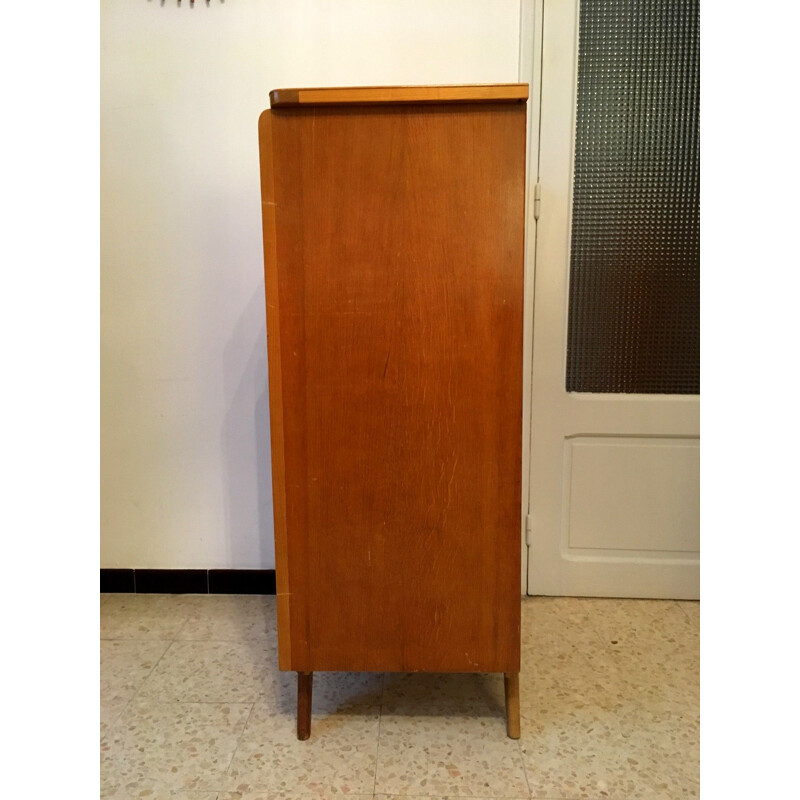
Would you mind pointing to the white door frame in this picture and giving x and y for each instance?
(530, 72)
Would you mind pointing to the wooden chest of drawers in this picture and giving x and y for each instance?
(393, 246)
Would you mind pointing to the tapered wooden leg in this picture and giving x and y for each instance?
(512, 704)
(304, 681)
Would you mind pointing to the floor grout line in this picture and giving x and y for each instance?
(683, 611)
(127, 705)
(240, 740)
(524, 768)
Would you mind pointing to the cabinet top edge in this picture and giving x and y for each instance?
(368, 95)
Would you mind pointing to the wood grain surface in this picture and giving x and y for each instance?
(275, 388)
(394, 276)
(475, 93)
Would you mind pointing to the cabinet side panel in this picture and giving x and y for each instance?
(400, 276)
(275, 386)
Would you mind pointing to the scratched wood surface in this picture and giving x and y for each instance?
(394, 270)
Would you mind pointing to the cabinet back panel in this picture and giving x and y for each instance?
(398, 234)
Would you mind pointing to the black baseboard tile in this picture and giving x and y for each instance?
(117, 580)
(171, 581)
(241, 581)
(188, 581)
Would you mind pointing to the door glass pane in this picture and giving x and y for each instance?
(634, 298)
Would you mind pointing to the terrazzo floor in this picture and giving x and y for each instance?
(193, 707)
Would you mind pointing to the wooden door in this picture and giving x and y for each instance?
(394, 274)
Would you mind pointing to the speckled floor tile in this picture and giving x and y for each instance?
(424, 694)
(213, 672)
(607, 680)
(143, 714)
(614, 714)
(157, 748)
(570, 616)
(559, 650)
(143, 616)
(123, 667)
(448, 754)
(150, 790)
(609, 694)
(641, 625)
(648, 652)
(563, 666)
(558, 637)
(332, 693)
(655, 662)
(619, 720)
(289, 796)
(189, 753)
(230, 618)
(552, 692)
(624, 755)
(656, 683)
(339, 758)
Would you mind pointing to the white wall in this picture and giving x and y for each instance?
(185, 459)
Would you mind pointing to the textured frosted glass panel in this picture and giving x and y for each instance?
(634, 300)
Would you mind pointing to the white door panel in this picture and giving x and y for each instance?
(631, 493)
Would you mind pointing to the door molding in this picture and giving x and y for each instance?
(530, 72)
